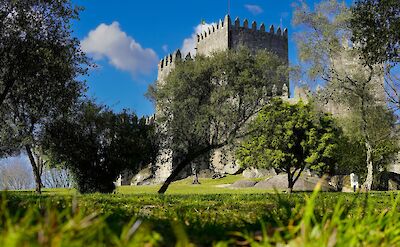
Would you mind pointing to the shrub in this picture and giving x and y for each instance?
(96, 145)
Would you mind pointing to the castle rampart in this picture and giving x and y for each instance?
(258, 39)
(226, 35)
(214, 39)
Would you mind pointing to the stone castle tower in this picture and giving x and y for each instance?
(227, 35)
(224, 35)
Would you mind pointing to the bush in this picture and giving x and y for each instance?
(96, 145)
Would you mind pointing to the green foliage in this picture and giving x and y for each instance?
(41, 70)
(42, 61)
(219, 92)
(205, 103)
(383, 135)
(352, 85)
(376, 28)
(322, 31)
(96, 145)
(290, 138)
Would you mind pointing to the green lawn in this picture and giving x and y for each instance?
(202, 215)
(185, 186)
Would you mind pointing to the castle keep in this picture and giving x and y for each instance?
(227, 35)
(222, 36)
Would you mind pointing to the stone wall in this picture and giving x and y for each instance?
(216, 38)
(258, 39)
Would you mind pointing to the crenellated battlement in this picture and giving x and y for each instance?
(215, 28)
(226, 23)
(172, 58)
(226, 35)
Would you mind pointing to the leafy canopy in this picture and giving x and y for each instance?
(376, 29)
(41, 69)
(205, 104)
(96, 145)
(218, 93)
(290, 138)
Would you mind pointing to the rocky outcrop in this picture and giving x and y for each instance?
(304, 183)
(144, 177)
(243, 184)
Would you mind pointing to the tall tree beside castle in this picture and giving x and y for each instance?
(351, 86)
(203, 105)
(375, 27)
(40, 65)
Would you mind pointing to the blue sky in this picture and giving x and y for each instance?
(126, 38)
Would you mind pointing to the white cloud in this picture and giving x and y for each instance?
(254, 9)
(189, 44)
(121, 50)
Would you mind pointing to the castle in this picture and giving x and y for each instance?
(227, 35)
(224, 35)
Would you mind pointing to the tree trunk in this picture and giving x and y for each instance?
(173, 175)
(370, 167)
(36, 170)
(189, 159)
(290, 182)
(195, 174)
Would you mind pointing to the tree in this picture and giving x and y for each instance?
(96, 145)
(383, 137)
(31, 31)
(290, 138)
(375, 26)
(326, 53)
(40, 65)
(206, 103)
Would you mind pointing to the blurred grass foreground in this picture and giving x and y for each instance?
(137, 216)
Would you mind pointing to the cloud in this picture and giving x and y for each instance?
(122, 51)
(189, 44)
(254, 9)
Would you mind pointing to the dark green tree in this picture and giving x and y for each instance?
(290, 138)
(33, 34)
(40, 65)
(206, 103)
(96, 145)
